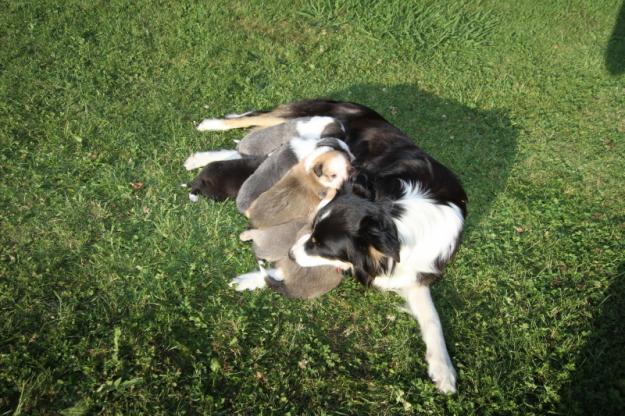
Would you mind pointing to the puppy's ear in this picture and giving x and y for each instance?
(318, 169)
(380, 232)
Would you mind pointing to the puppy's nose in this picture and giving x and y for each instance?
(291, 255)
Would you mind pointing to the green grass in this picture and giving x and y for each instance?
(114, 300)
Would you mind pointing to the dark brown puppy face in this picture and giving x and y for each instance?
(351, 232)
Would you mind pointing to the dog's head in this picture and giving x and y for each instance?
(330, 162)
(351, 232)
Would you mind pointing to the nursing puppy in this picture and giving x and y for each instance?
(281, 214)
(285, 276)
(298, 193)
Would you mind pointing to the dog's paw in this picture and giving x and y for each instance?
(249, 281)
(443, 375)
(212, 124)
(193, 197)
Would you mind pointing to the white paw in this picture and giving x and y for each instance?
(212, 124)
(249, 281)
(246, 235)
(193, 197)
(201, 159)
(443, 375)
(194, 161)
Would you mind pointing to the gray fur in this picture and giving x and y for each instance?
(267, 174)
(261, 142)
(273, 244)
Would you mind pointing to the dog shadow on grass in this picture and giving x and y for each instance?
(615, 50)
(598, 383)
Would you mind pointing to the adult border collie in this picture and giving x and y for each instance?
(395, 224)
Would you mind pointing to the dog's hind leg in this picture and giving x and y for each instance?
(201, 159)
(420, 305)
(239, 121)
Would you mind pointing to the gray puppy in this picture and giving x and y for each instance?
(287, 277)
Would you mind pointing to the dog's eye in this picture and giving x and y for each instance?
(333, 175)
(314, 240)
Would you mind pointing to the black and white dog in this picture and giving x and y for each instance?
(395, 224)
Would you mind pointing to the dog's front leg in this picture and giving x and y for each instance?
(421, 306)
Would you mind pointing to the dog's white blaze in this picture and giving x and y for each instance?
(312, 129)
(201, 159)
(305, 260)
(212, 124)
(325, 215)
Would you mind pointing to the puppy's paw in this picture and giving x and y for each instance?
(212, 124)
(193, 197)
(246, 235)
(443, 375)
(195, 161)
(249, 281)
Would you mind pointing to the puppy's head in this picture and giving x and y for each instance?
(330, 167)
(351, 232)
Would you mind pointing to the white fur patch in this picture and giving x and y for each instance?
(201, 159)
(427, 230)
(249, 281)
(302, 147)
(212, 124)
(193, 198)
(305, 260)
(312, 129)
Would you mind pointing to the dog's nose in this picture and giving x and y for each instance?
(291, 255)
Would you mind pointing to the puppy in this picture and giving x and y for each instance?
(287, 277)
(296, 195)
(222, 179)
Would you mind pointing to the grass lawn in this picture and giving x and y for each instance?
(113, 287)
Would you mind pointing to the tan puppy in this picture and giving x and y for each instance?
(303, 187)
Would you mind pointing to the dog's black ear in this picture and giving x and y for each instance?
(318, 169)
(380, 232)
(362, 186)
(362, 276)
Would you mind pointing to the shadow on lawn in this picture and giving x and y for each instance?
(478, 145)
(598, 384)
(615, 51)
